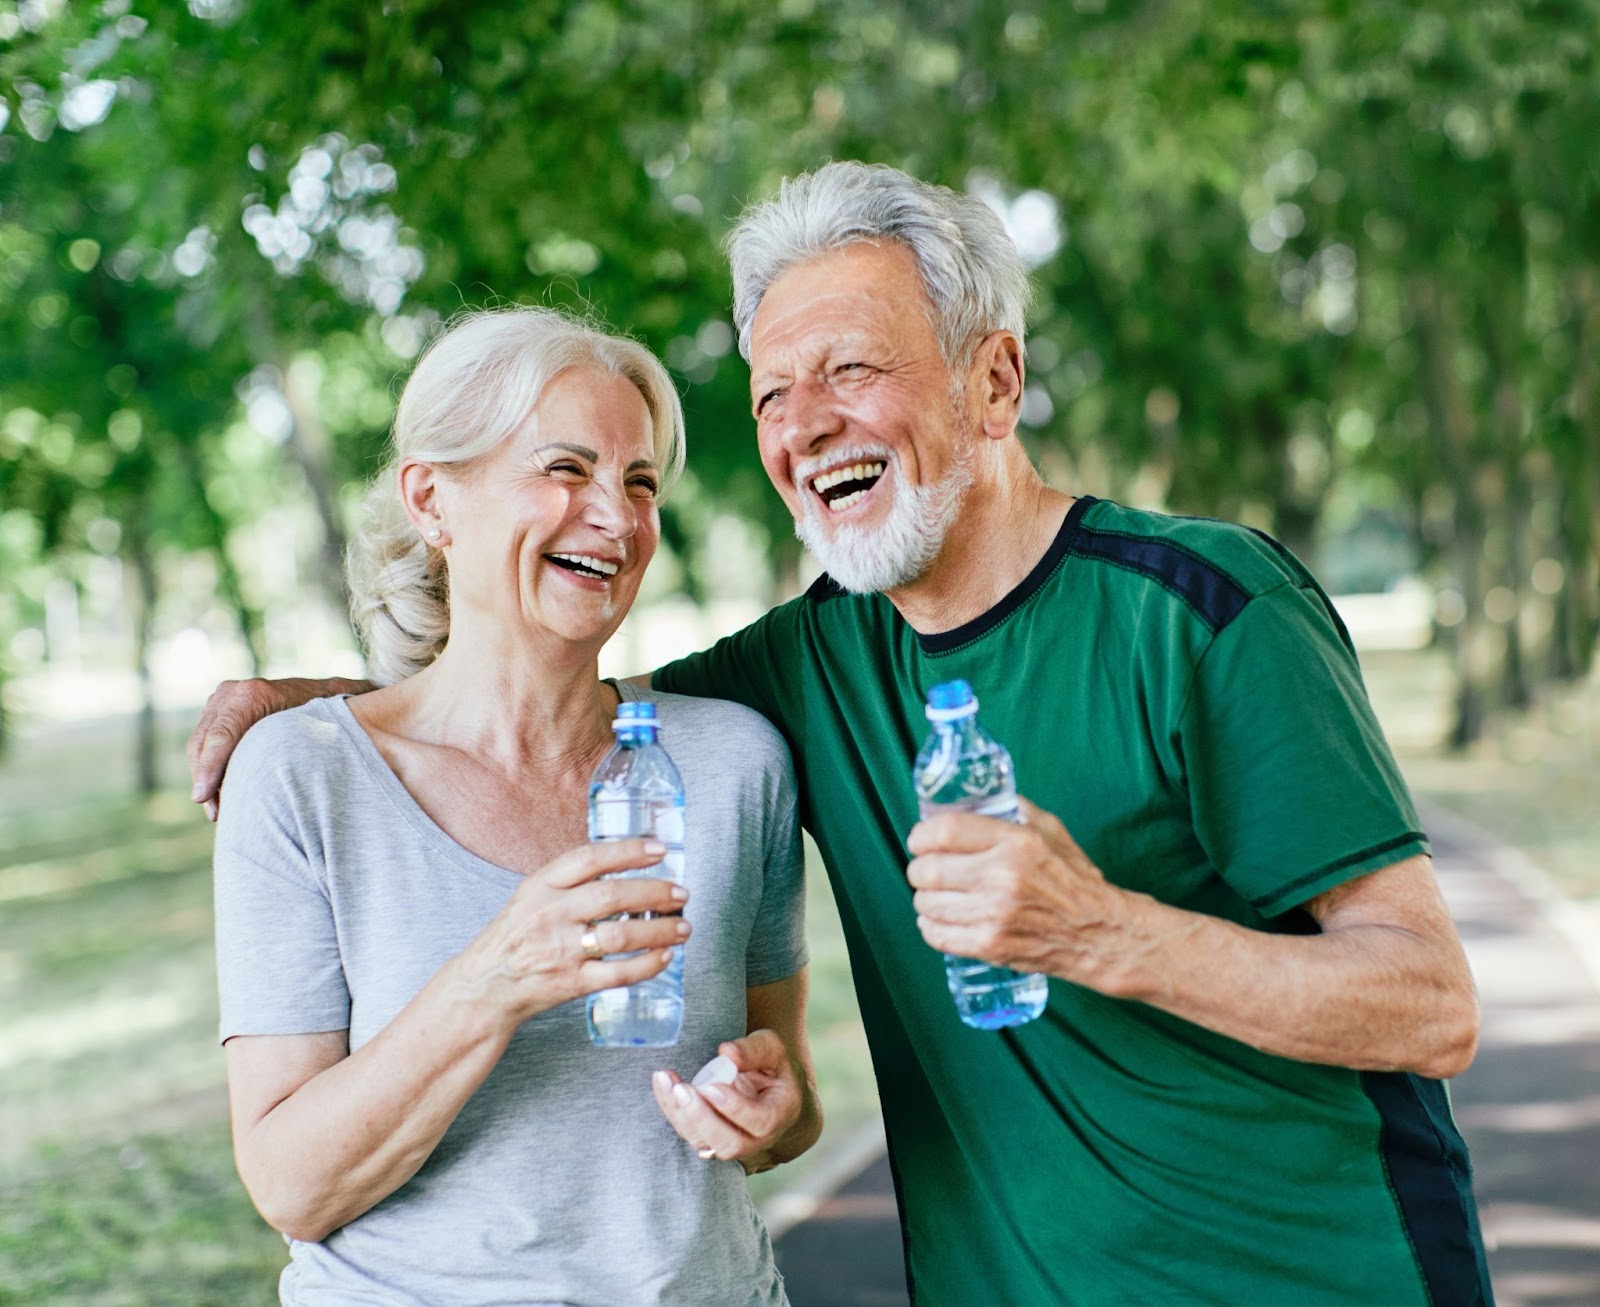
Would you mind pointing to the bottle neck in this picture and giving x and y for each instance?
(633, 736)
(958, 728)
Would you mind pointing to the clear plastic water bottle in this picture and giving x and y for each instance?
(636, 791)
(962, 768)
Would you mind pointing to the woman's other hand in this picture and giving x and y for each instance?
(555, 939)
(743, 1120)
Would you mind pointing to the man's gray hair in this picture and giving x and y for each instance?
(975, 279)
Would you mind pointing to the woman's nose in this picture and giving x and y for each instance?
(610, 508)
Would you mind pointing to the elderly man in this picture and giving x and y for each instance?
(1233, 1095)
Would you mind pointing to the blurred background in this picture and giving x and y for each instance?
(1329, 269)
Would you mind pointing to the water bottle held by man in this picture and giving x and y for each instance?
(636, 791)
(962, 768)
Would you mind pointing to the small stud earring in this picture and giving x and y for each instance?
(433, 533)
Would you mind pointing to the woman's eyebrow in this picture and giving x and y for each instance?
(642, 462)
(582, 451)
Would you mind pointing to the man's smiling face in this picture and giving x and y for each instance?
(859, 418)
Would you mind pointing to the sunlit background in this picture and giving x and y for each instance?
(1331, 270)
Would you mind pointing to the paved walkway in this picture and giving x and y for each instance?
(1529, 1106)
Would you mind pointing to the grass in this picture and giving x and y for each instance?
(118, 1180)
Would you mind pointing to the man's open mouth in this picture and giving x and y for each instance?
(600, 569)
(840, 487)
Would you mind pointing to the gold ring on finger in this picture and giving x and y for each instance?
(589, 941)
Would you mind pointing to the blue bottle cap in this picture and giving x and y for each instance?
(634, 714)
(950, 701)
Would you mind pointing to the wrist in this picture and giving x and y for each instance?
(474, 1000)
(1140, 948)
(1104, 949)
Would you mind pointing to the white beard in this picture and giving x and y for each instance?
(898, 550)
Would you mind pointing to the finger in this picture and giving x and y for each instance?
(945, 871)
(613, 973)
(639, 933)
(667, 1087)
(587, 861)
(1042, 820)
(191, 746)
(211, 809)
(952, 908)
(211, 745)
(957, 832)
(661, 1084)
(962, 941)
(762, 1115)
(703, 1125)
(607, 898)
(760, 1050)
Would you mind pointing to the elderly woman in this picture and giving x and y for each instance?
(407, 906)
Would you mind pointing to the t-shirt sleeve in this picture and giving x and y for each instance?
(777, 946)
(1292, 785)
(758, 667)
(278, 965)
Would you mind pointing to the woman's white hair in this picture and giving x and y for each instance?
(475, 385)
(975, 279)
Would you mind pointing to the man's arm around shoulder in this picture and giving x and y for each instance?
(233, 708)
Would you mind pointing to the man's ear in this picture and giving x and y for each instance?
(419, 486)
(998, 373)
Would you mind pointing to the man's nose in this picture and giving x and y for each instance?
(810, 415)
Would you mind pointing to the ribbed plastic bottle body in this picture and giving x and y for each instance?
(636, 791)
(962, 768)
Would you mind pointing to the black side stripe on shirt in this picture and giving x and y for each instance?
(1432, 1185)
(1261, 904)
(1215, 597)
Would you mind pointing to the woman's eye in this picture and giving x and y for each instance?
(565, 467)
(645, 484)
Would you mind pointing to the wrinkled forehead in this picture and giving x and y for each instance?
(867, 289)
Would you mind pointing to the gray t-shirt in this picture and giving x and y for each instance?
(560, 1182)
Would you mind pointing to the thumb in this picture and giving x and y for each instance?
(760, 1050)
(1046, 823)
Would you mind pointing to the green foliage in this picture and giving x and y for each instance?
(1281, 250)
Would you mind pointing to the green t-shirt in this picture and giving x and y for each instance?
(1183, 696)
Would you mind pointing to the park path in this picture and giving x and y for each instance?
(1529, 1105)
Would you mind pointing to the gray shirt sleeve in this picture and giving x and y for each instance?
(777, 939)
(279, 971)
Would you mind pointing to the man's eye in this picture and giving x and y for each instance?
(771, 397)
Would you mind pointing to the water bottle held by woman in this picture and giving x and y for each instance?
(636, 791)
(962, 768)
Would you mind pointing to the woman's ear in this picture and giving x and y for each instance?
(419, 484)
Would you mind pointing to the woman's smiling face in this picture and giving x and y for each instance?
(556, 527)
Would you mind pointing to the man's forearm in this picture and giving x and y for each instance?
(1365, 995)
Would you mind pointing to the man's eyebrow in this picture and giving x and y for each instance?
(582, 451)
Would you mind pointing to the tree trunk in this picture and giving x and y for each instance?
(1516, 687)
(310, 449)
(137, 534)
(1451, 426)
(252, 627)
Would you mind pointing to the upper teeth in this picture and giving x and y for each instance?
(593, 564)
(855, 472)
